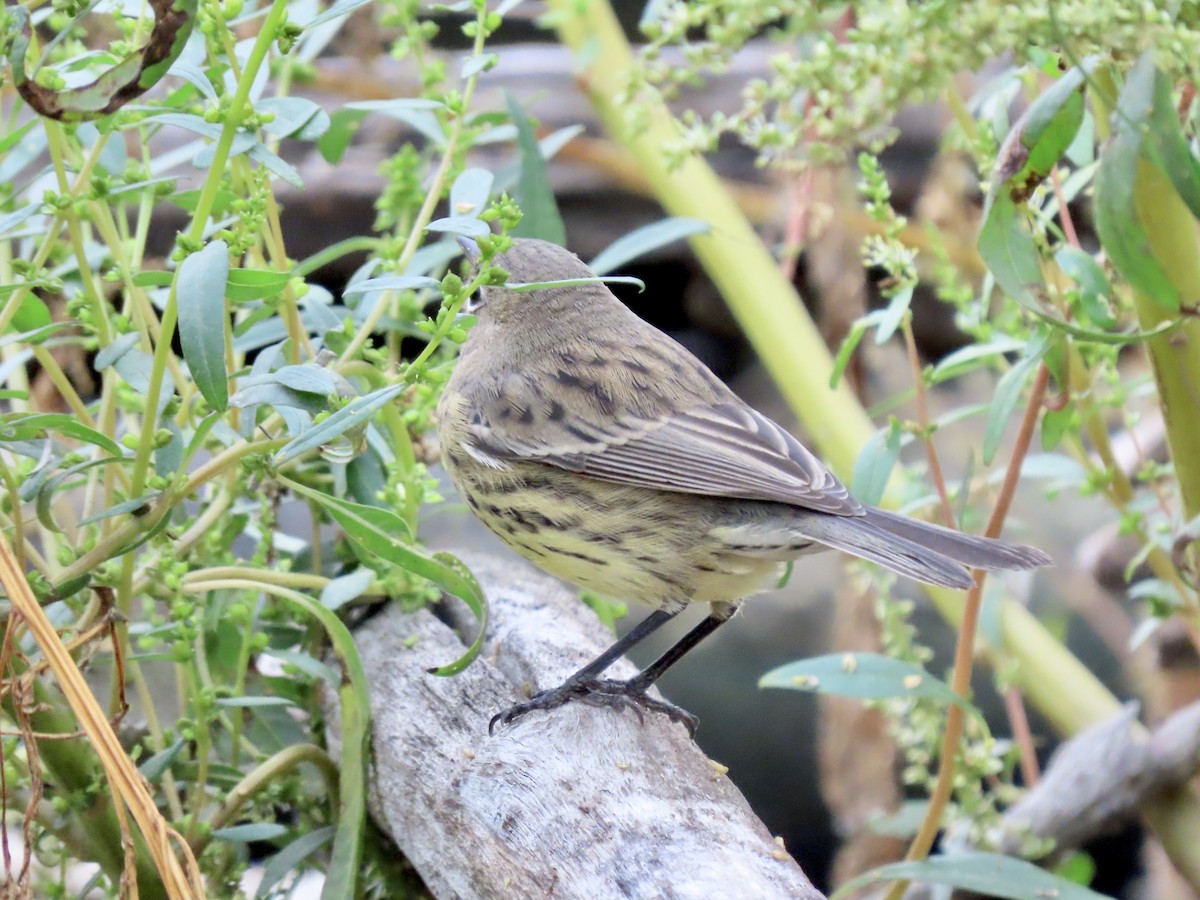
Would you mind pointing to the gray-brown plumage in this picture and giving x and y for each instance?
(605, 452)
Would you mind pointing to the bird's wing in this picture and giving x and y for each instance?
(723, 448)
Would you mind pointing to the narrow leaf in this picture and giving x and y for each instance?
(868, 676)
(1169, 148)
(252, 831)
(645, 240)
(1117, 220)
(26, 427)
(988, 874)
(470, 191)
(153, 768)
(1009, 250)
(255, 284)
(253, 702)
(467, 226)
(526, 287)
(200, 293)
(392, 283)
(541, 217)
(292, 856)
(1042, 135)
(874, 465)
(893, 315)
(385, 535)
(1007, 393)
(352, 415)
(343, 589)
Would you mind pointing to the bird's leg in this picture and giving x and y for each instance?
(587, 687)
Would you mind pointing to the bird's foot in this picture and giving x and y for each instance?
(598, 692)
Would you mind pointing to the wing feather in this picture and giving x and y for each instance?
(722, 449)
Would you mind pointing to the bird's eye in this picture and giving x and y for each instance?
(474, 303)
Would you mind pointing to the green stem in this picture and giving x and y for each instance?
(270, 770)
(1176, 356)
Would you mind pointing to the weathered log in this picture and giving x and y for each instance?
(1098, 780)
(578, 802)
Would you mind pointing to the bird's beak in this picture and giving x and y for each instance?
(469, 247)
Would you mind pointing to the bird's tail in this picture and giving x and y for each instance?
(919, 550)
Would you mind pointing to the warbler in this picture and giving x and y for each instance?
(607, 454)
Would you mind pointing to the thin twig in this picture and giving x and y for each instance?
(964, 654)
(935, 465)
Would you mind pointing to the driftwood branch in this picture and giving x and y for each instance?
(1099, 779)
(579, 802)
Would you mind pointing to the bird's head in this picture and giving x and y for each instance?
(530, 261)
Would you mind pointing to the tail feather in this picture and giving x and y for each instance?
(927, 553)
(860, 537)
(969, 549)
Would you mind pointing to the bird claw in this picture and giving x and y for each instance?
(616, 695)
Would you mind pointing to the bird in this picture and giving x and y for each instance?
(607, 454)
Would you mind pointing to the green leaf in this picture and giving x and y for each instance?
(252, 831)
(893, 314)
(344, 588)
(384, 534)
(392, 283)
(1009, 249)
(373, 528)
(253, 702)
(972, 356)
(850, 343)
(307, 378)
(153, 768)
(255, 284)
(311, 667)
(1077, 868)
(868, 676)
(874, 465)
(27, 427)
(340, 8)
(343, 125)
(119, 509)
(1117, 220)
(11, 220)
(200, 294)
(1167, 146)
(1088, 275)
(295, 117)
(645, 240)
(292, 856)
(467, 226)
(1054, 425)
(540, 218)
(470, 192)
(1008, 392)
(354, 414)
(276, 396)
(527, 287)
(1042, 135)
(988, 874)
(31, 315)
